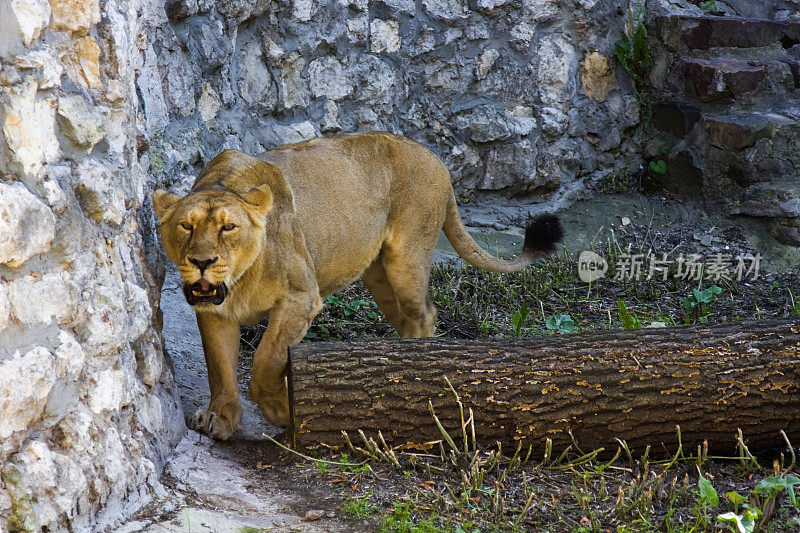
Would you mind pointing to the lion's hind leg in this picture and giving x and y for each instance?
(408, 273)
(377, 283)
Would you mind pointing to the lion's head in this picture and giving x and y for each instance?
(215, 232)
(212, 236)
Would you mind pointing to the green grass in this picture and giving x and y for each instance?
(404, 518)
(360, 507)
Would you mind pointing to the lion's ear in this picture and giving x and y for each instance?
(162, 201)
(260, 197)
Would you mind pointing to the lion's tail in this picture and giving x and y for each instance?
(541, 237)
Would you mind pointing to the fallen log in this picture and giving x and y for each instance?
(634, 385)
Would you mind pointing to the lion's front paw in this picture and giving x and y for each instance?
(275, 407)
(211, 424)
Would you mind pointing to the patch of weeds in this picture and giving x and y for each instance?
(349, 308)
(488, 327)
(710, 7)
(697, 305)
(348, 314)
(473, 303)
(360, 507)
(762, 504)
(634, 54)
(402, 519)
(458, 485)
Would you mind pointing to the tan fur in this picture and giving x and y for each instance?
(310, 219)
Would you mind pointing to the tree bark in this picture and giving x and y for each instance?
(634, 385)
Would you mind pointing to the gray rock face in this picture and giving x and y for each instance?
(88, 409)
(450, 74)
(26, 225)
(730, 109)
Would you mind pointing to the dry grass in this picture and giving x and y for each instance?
(459, 486)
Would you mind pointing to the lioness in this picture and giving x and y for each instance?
(277, 233)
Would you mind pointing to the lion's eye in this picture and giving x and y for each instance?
(186, 226)
(229, 227)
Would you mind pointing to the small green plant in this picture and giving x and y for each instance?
(708, 494)
(740, 523)
(560, 322)
(707, 498)
(518, 319)
(360, 507)
(764, 495)
(344, 458)
(709, 5)
(629, 320)
(697, 305)
(636, 57)
(658, 166)
(772, 486)
(634, 54)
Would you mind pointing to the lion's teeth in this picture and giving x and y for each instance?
(213, 292)
(196, 293)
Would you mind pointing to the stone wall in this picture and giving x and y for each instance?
(101, 102)
(87, 408)
(726, 108)
(520, 98)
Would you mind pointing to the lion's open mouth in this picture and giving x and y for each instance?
(204, 292)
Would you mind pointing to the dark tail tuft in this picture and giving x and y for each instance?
(543, 233)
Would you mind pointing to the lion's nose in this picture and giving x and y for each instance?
(202, 264)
